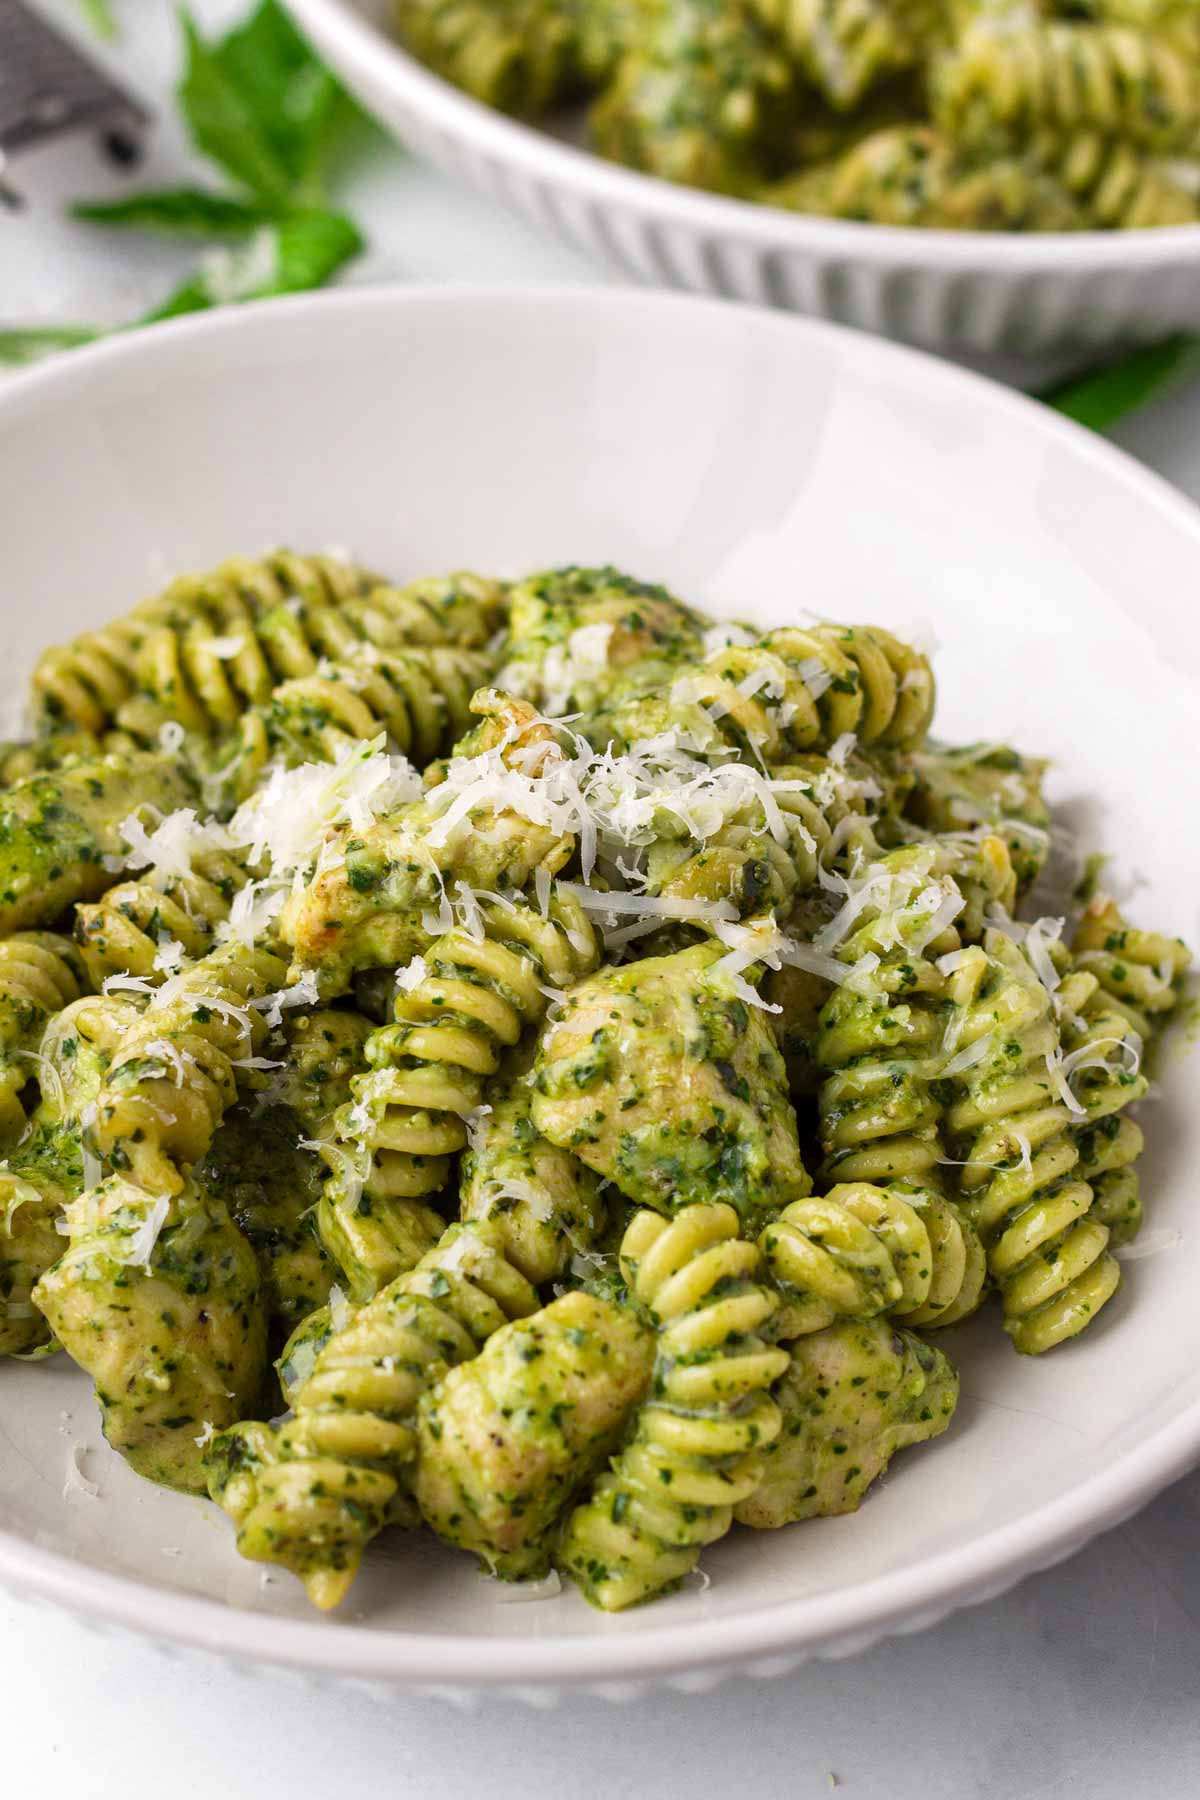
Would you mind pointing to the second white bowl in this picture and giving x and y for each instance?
(978, 292)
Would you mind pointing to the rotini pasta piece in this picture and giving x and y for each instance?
(1108, 1151)
(1106, 1044)
(368, 903)
(880, 1035)
(312, 1493)
(262, 1164)
(813, 815)
(861, 1251)
(46, 1169)
(504, 1439)
(577, 635)
(420, 698)
(270, 1185)
(696, 1447)
(1116, 186)
(464, 610)
(175, 1074)
(516, 55)
(803, 690)
(471, 1001)
(146, 926)
(58, 750)
(853, 1395)
(159, 1301)
(40, 972)
(297, 1359)
(1140, 971)
(698, 98)
(912, 174)
(799, 995)
(56, 831)
(988, 785)
(664, 1080)
(844, 47)
(190, 653)
(1013, 1129)
(545, 1204)
(1068, 77)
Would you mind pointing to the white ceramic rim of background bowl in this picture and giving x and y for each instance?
(360, 48)
(770, 1641)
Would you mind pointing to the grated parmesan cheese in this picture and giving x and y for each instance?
(77, 1482)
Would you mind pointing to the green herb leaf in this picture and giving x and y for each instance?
(223, 123)
(20, 345)
(98, 14)
(263, 106)
(180, 212)
(1103, 397)
(300, 252)
(294, 98)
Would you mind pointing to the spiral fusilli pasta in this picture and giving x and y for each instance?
(506, 1168)
(175, 1073)
(40, 973)
(46, 1169)
(696, 1447)
(312, 1493)
(1019, 1178)
(471, 1000)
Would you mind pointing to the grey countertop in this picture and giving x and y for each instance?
(1084, 1681)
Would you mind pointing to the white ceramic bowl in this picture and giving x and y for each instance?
(969, 291)
(758, 465)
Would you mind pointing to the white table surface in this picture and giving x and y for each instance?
(1083, 1682)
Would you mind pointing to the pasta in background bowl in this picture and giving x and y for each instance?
(765, 470)
(1042, 283)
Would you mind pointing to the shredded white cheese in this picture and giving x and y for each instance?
(77, 1482)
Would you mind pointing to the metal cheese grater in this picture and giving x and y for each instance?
(48, 87)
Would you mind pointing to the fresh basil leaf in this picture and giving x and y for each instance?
(179, 212)
(294, 98)
(20, 346)
(223, 123)
(1103, 397)
(299, 252)
(312, 247)
(98, 14)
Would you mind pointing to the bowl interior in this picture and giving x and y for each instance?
(762, 467)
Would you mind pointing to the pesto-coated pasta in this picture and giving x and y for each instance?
(57, 829)
(420, 698)
(175, 1072)
(696, 1448)
(546, 1205)
(471, 1000)
(45, 1170)
(40, 973)
(606, 923)
(1069, 77)
(144, 926)
(1014, 1128)
(164, 652)
(696, 97)
(312, 1493)
(861, 1251)
(977, 115)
